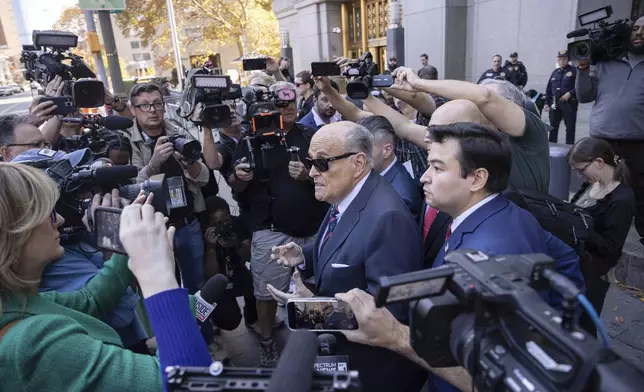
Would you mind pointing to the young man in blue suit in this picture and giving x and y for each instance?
(469, 165)
(388, 166)
(368, 233)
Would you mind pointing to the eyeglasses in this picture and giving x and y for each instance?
(147, 107)
(322, 164)
(38, 144)
(583, 169)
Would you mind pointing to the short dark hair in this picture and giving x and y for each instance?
(306, 77)
(424, 55)
(8, 124)
(141, 88)
(379, 127)
(481, 148)
(115, 140)
(216, 203)
(497, 55)
(590, 148)
(428, 73)
(317, 91)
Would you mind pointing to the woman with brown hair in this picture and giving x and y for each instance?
(608, 198)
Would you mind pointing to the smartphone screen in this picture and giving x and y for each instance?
(325, 68)
(320, 314)
(107, 224)
(253, 64)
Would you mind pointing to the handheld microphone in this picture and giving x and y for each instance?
(577, 33)
(106, 175)
(293, 372)
(327, 344)
(207, 297)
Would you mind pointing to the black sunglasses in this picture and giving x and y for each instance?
(322, 164)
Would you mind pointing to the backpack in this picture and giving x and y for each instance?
(564, 220)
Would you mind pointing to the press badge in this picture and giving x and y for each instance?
(177, 192)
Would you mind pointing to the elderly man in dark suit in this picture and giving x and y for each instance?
(368, 233)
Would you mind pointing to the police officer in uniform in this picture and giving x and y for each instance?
(561, 101)
(518, 74)
(497, 71)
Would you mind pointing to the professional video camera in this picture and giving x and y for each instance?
(607, 41)
(209, 93)
(91, 139)
(483, 313)
(360, 75)
(44, 60)
(79, 176)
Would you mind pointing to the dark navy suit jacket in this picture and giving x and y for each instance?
(406, 187)
(501, 227)
(375, 236)
(309, 121)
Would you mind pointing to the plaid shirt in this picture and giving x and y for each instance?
(406, 151)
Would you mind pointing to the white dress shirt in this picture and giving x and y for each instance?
(382, 173)
(319, 122)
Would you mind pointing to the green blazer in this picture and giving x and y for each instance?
(61, 344)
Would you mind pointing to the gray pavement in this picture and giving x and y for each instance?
(15, 104)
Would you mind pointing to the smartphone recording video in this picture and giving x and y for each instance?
(325, 68)
(320, 314)
(107, 224)
(254, 64)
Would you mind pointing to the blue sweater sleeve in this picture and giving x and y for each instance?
(176, 331)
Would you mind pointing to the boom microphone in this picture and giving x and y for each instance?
(293, 372)
(109, 122)
(577, 33)
(106, 175)
(207, 297)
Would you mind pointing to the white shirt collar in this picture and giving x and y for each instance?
(344, 204)
(459, 219)
(382, 173)
(318, 120)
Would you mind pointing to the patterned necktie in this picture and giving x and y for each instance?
(333, 221)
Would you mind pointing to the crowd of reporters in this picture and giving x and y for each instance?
(343, 211)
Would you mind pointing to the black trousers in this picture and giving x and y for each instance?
(596, 289)
(632, 151)
(568, 112)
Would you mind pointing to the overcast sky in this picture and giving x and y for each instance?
(42, 14)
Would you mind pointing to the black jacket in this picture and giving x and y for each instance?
(612, 217)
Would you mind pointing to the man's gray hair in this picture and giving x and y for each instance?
(359, 139)
(507, 90)
(8, 124)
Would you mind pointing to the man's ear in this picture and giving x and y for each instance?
(4, 151)
(480, 180)
(389, 150)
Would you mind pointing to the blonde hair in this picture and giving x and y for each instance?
(27, 198)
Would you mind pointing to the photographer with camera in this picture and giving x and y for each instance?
(615, 84)
(282, 207)
(154, 151)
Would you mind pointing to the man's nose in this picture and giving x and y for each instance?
(426, 177)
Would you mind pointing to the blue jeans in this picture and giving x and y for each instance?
(189, 253)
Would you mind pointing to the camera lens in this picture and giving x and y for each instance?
(582, 51)
(190, 149)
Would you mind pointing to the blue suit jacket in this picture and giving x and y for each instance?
(309, 121)
(501, 227)
(376, 236)
(406, 187)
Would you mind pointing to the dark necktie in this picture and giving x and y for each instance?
(333, 221)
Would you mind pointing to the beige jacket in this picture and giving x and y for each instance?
(141, 155)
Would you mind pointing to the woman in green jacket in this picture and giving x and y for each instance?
(57, 341)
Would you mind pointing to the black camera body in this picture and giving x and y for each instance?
(360, 75)
(606, 41)
(208, 91)
(484, 313)
(44, 60)
(189, 148)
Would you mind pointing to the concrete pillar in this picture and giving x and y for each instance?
(396, 33)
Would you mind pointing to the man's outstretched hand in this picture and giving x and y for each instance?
(289, 255)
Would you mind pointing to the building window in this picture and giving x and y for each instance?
(141, 56)
(135, 44)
